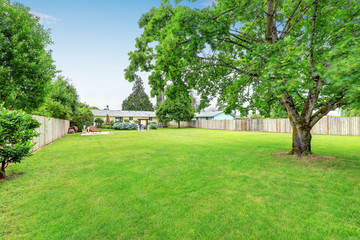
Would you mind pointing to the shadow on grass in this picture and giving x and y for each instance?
(316, 161)
(11, 174)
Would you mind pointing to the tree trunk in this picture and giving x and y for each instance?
(301, 144)
(178, 124)
(2, 170)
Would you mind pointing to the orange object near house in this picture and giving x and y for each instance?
(92, 129)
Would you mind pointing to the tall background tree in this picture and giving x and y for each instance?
(26, 66)
(138, 100)
(299, 56)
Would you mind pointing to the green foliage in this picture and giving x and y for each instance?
(350, 113)
(278, 112)
(153, 126)
(55, 109)
(62, 101)
(256, 116)
(16, 132)
(138, 99)
(99, 121)
(176, 107)
(301, 56)
(26, 66)
(82, 116)
(126, 120)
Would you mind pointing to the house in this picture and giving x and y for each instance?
(216, 115)
(119, 116)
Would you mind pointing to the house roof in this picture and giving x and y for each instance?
(119, 113)
(208, 114)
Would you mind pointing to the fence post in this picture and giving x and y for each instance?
(44, 130)
(279, 128)
(327, 125)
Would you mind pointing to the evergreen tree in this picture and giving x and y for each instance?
(138, 99)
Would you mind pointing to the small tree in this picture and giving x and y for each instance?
(178, 108)
(138, 99)
(16, 132)
(99, 121)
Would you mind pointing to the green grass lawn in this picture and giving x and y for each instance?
(183, 184)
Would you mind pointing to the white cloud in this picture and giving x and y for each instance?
(209, 3)
(44, 18)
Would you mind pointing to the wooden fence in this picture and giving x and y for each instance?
(328, 125)
(50, 130)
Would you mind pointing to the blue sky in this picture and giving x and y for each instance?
(91, 43)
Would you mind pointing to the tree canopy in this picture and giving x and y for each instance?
(138, 100)
(299, 56)
(26, 66)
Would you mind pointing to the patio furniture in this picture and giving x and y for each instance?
(92, 129)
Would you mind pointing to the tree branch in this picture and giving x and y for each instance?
(332, 104)
(269, 22)
(290, 108)
(232, 66)
(289, 20)
(223, 13)
(246, 35)
(312, 61)
(296, 21)
(313, 94)
(231, 41)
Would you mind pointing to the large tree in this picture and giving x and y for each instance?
(138, 100)
(302, 56)
(26, 66)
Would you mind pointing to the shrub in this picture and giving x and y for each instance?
(125, 126)
(152, 125)
(126, 120)
(16, 132)
(256, 116)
